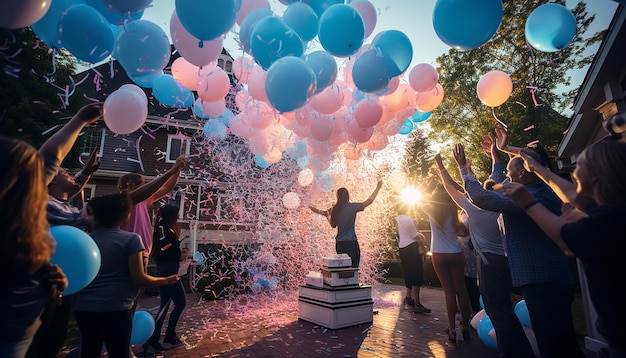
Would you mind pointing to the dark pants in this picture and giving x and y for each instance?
(471, 283)
(51, 334)
(110, 328)
(169, 293)
(352, 249)
(495, 284)
(550, 310)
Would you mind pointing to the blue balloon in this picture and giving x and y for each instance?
(77, 255)
(225, 117)
(407, 126)
(550, 27)
(197, 111)
(142, 48)
(126, 6)
(419, 117)
(480, 298)
(289, 83)
(144, 80)
(324, 67)
(207, 20)
(245, 30)
(341, 30)
(303, 19)
(113, 17)
(484, 327)
(396, 49)
(370, 71)
(47, 27)
(521, 311)
(143, 326)
(86, 33)
(260, 161)
(465, 25)
(215, 129)
(320, 6)
(171, 93)
(272, 39)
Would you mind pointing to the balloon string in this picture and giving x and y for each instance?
(533, 89)
(493, 112)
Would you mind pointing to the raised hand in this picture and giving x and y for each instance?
(501, 138)
(517, 192)
(459, 155)
(530, 163)
(181, 162)
(90, 112)
(92, 164)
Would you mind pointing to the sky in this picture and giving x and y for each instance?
(412, 17)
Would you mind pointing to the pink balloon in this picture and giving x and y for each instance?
(188, 45)
(256, 84)
(368, 112)
(400, 99)
(243, 67)
(378, 141)
(260, 114)
(124, 111)
(392, 127)
(15, 14)
(214, 85)
(428, 101)
(212, 109)
(358, 134)
(391, 87)
(423, 77)
(321, 127)
(186, 73)
(352, 152)
(494, 88)
(329, 100)
(241, 99)
(368, 13)
(136, 89)
(247, 6)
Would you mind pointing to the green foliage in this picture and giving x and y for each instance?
(29, 100)
(463, 118)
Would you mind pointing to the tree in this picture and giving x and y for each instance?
(532, 113)
(29, 98)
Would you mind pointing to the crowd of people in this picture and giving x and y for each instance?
(37, 194)
(519, 229)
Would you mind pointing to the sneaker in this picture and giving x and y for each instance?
(409, 301)
(172, 339)
(418, 308)
(152, 348)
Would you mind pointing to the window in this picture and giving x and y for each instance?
(94, 139)
(89, 191)
(226, 64)
(177, 145)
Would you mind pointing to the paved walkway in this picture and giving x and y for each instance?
(251, 329)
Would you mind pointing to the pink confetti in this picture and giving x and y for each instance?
(529, 128)
(521, 104)
(533, 143)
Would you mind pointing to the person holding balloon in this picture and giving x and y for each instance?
(599, 174)
(103, 310)
(343, 216)
(27, 246)
(168, 258)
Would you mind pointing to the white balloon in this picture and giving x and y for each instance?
(305, 177)
(291, 200)
(125, 111)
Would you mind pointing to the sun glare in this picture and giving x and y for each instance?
(411, 195)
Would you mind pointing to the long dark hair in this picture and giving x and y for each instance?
(168, 219)
(342, 197)
(443, 208)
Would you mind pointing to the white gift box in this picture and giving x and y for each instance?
(336, 315)
(337, 260)
(315, 278)
(341, 276)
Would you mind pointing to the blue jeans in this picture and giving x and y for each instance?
(495, 284)
(550, 310)
(169, 293)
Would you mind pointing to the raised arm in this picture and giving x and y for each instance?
(325, 213)
(82, 177)
(452, 187)
(160, 186)
(502, 142)
(59, 145)
(497, 167)
(565, 190)
(370, 200)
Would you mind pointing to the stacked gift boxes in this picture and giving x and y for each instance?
(333, 297)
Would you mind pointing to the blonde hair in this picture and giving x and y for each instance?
(26, 243)
(607, 161)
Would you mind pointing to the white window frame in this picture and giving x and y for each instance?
(172, 137)
(101, 147)
(225, 59)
